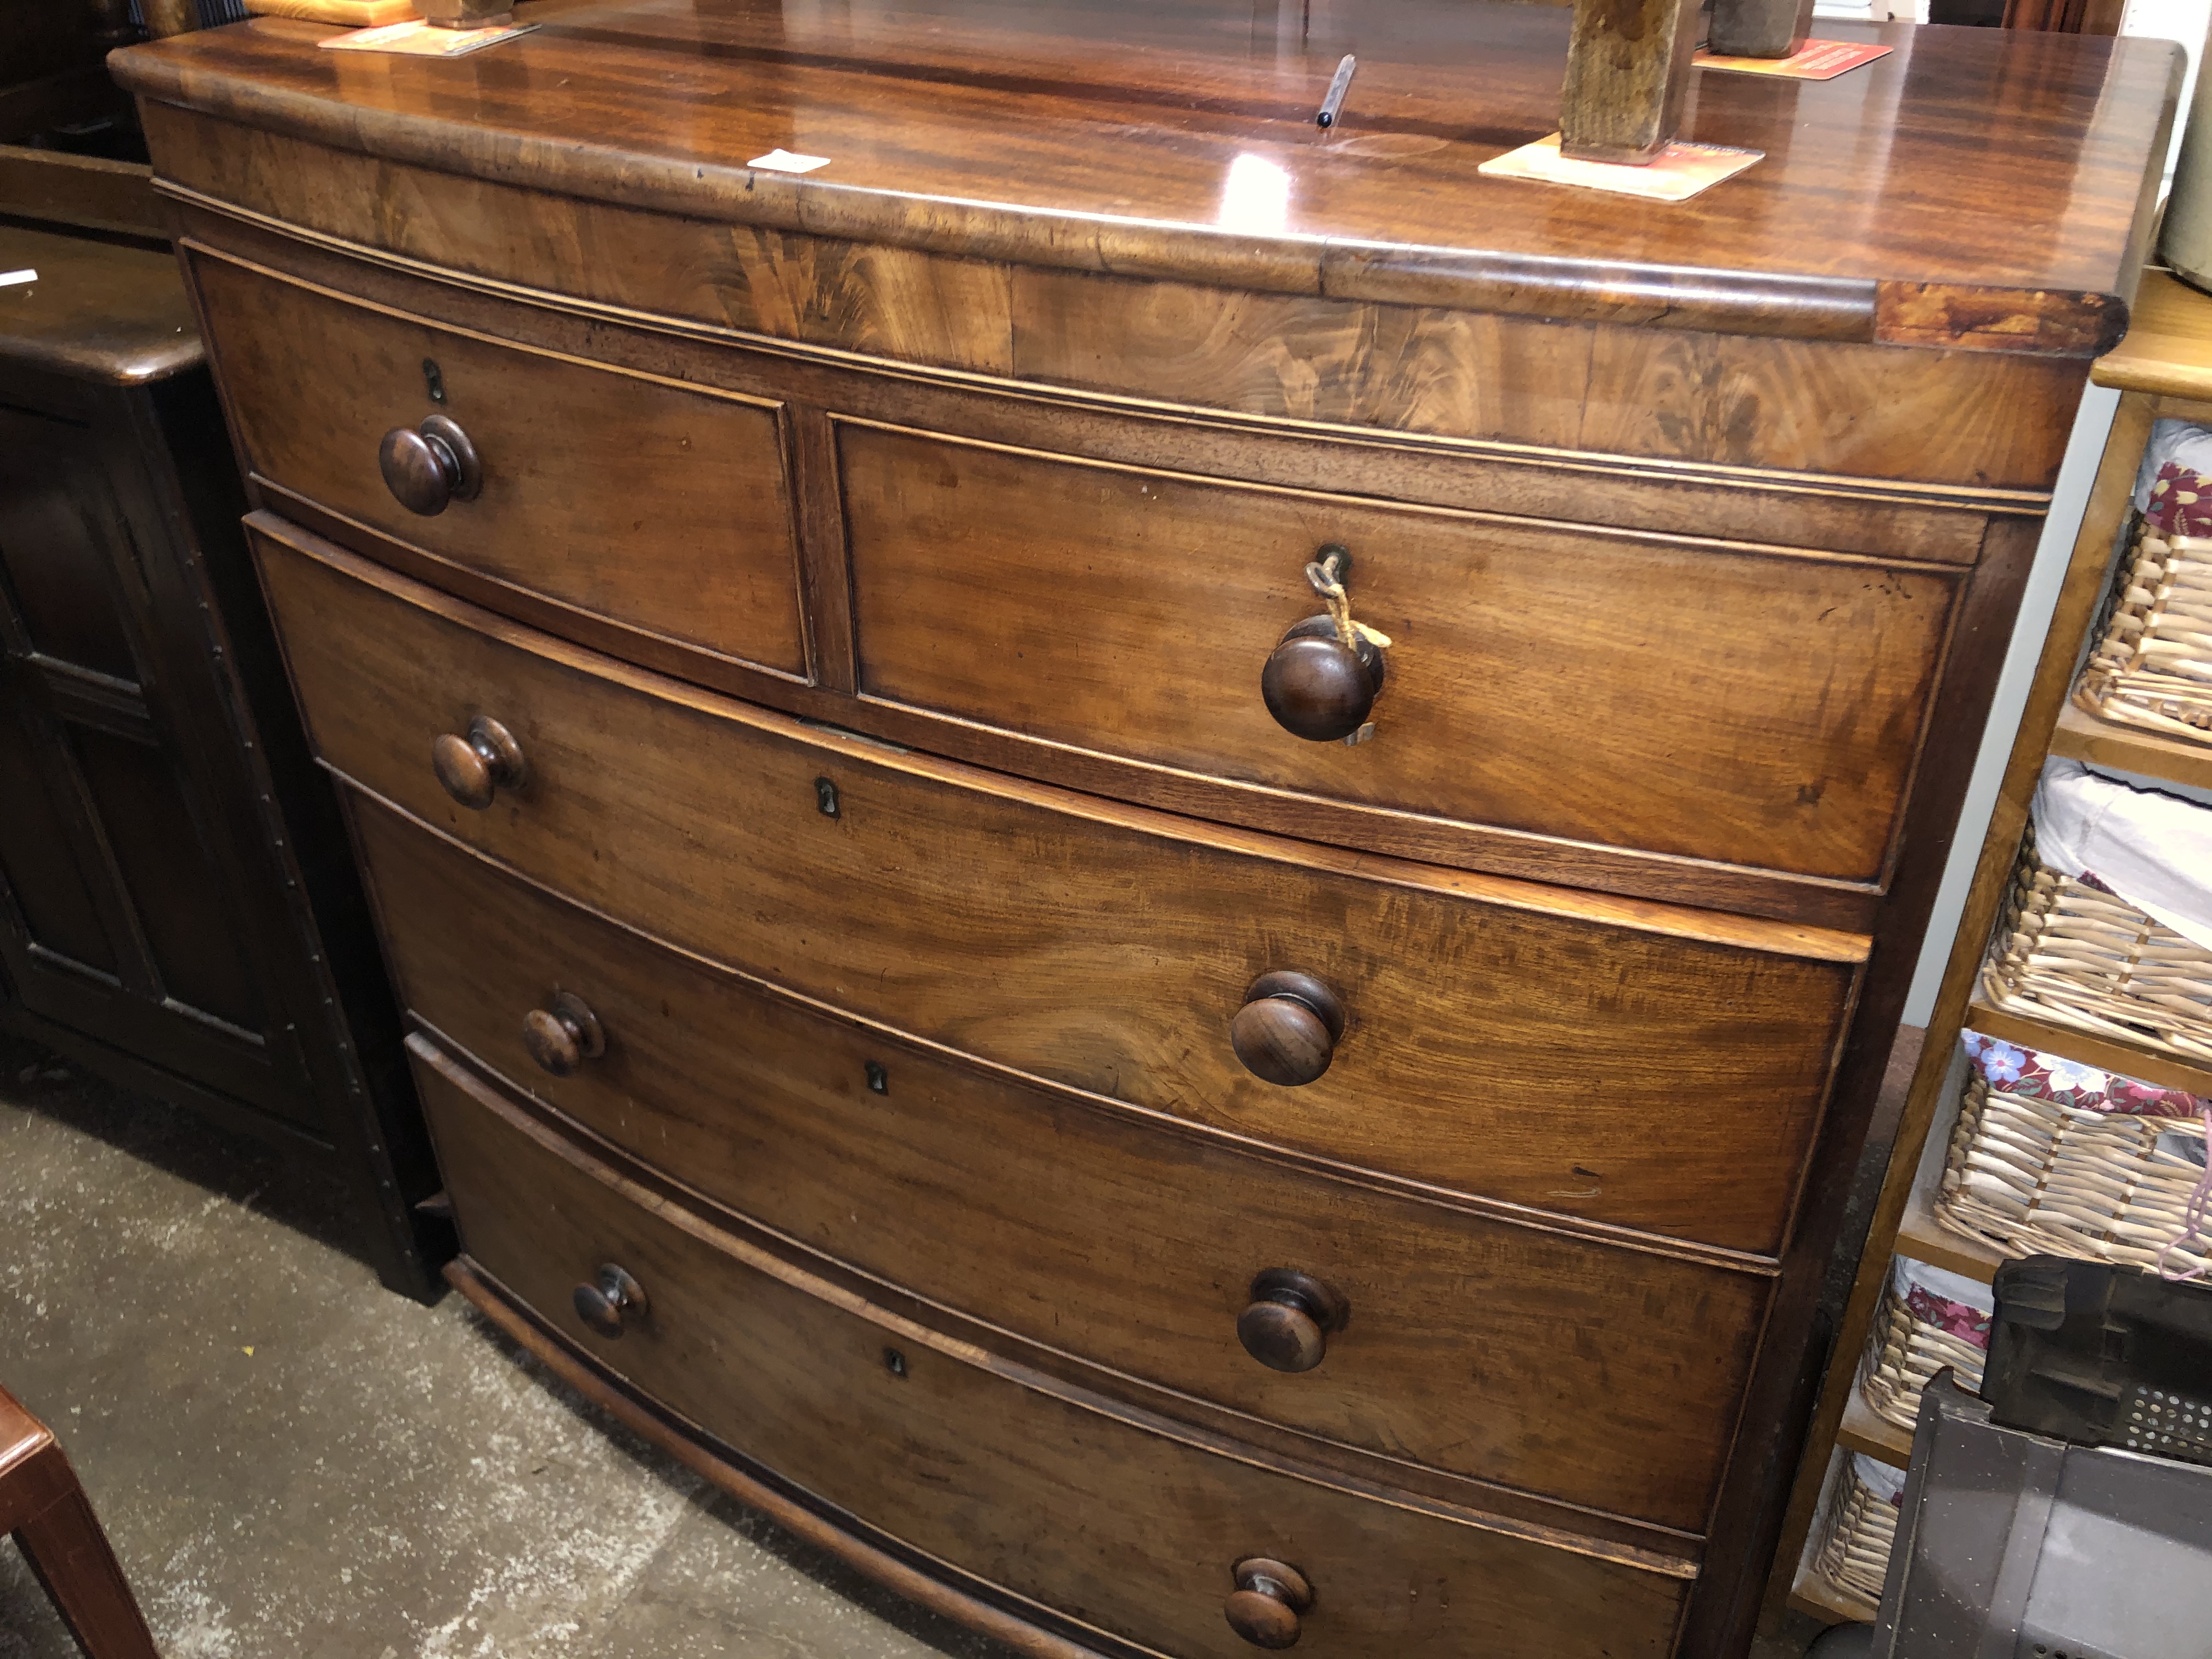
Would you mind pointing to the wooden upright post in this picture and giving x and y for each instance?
(1628, 67)
(1759, 28)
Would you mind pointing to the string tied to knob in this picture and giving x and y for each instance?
(1326, 573)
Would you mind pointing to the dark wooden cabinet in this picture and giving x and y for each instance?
(176, 908)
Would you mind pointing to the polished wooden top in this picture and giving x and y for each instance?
(2168, 348)
(1983, 187)
(101, 309)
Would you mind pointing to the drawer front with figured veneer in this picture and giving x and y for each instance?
(1753, 706)
(1118, 1523)
(644, 504)
(1638, 1065)
(1597, 1375)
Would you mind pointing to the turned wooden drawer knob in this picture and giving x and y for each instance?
(563, 1036)
(1318, 687)
(428, 467)
(1286, 1327)
(1288, 1029)
(1265, 1606)
(475, 768)
(610, 1304)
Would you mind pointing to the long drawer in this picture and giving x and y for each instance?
(1637, 1064)
(1603, 1377)
(659, 507)
(1751, 706)
(1118, 1523)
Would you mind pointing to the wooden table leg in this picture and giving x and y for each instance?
(70, 1556)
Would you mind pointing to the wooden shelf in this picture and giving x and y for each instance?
(2080, 736)
(1815, 1596)
(2167, 349)
(1877, 1437)
(2109, 1052)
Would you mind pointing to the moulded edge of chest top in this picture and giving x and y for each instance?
(1992, 423)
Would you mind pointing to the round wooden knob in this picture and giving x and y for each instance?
(429, 466)
(472, 769)
(608, 1303)
(1287, 1031)
(1318, 687)
(563, 1036)
(1287, 1324)
(1265, 1606)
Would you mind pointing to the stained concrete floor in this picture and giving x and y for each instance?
(294, 1463)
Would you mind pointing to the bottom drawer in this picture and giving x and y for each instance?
(1121, 1525)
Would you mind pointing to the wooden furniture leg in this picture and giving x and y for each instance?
(44, 1507)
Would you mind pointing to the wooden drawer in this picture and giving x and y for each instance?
(1120, 1522)
(1603, 1377)
(1751, 706)
(1656, 1068)
(660, 507)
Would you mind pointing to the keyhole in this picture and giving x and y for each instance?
(433, 381)
(879, 1080)
(825, 796)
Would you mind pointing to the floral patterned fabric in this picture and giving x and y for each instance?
(1950, 1302)
(2181, 502)
(2034, 1075)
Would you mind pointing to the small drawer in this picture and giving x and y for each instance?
(1601, 1377)
(1656, 1068)
(1752, 706)
(660, 507)
(1113, 1521)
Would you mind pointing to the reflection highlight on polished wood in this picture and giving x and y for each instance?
(1164, 139)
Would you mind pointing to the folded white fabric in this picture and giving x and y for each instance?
(2154, 850)
(1880, 1479)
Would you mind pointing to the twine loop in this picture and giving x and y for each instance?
(1325, 574)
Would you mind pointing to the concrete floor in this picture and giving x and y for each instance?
(293, 1462)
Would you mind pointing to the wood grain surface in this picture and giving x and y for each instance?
(1165, 139)
(660, 506)
(110, 312)
(1603, 1376)
(1732, 704)
(1107, 1517)
(1404, 361)
(1653, 1068)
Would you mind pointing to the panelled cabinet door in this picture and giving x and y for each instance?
(120, 915)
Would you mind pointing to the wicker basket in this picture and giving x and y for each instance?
(1927, 1319)
(2034, 1177)
(2067, 951)
(2152, 665)
(1858, 1530)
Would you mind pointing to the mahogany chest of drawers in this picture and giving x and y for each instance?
(957, 979)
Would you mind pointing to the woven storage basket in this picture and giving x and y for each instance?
(1927, 1319)
(2074, 953)
(2152, 664)
(2033, 1176)
(1858, 1529)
